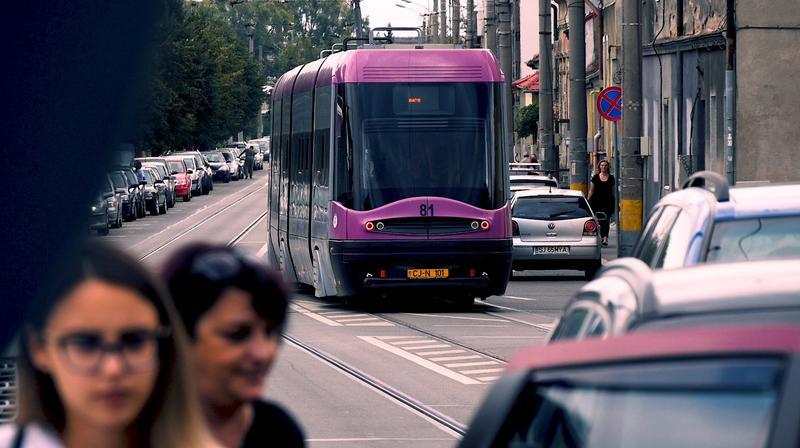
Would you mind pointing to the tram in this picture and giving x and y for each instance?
(388, 172)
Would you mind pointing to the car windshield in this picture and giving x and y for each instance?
(551, 207)
(620, 415)
(148, 175)
(214, 157)
(175, 166)
(228, 156)
(118, 180)
(755, 239)
(189, 163)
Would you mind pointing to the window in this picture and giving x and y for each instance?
(676, 243)
(552, 208)
(755, 239)
(570, 326)
(656, 231)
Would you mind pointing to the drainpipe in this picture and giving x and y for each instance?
(730, 95)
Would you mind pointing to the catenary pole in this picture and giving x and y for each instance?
(548, 151)
(443, 15)
(491, 27)
(578, 157)
(631, 202)
(435, 22)
(504, 46)
(456, 21)
(470, 43)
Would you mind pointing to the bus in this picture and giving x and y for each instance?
(388, 173)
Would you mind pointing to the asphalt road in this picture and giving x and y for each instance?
(407, 372)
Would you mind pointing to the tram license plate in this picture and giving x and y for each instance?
(428, 273)
(551, 250)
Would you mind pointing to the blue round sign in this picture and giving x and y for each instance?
(609, 103)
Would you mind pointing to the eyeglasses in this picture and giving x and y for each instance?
(137, 349)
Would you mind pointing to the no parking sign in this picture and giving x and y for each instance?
(609, 103)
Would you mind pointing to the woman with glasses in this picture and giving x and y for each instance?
(234, 309)
(102, 362)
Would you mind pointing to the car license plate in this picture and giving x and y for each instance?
(428, 273)
(551, 250)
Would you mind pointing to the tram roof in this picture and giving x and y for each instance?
(392, 65)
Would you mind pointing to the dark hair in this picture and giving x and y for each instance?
(137, 164)
(196, 290)
(165, 413)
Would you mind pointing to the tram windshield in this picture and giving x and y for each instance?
(407, 140)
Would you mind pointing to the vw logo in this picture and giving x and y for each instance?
(551, 226)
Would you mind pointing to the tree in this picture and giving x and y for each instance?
(527, 121)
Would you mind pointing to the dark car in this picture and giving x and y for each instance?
(721, 387)
(169, 180)
(98, 214)
(114, 204)
(155, 191)
(219, 167)
(126, 197)
(136, 190)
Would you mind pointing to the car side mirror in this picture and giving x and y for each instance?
(142, 182)
(121, 190)
(107, 195)
(174, 172)
(133, 186)
(189, 171)
(173, 177)
(159, 181)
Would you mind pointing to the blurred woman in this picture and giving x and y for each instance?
(103, 363)
(234, 309)
(601, 197)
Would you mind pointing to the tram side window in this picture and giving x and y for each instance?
(301, 138)
(343, 152)
(275, 150)
(322, 120)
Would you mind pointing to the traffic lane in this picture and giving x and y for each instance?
(444, 376)
(542, 293)
(337, 410)
(140, 236)
(221, 229)
(254, 243)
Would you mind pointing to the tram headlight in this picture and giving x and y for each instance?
(485, 225)
(370, 226)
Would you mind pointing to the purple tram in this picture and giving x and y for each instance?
(388, 172)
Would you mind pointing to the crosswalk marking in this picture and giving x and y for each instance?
(416, 342)
(454, 358)
(471, 364)
(441, 352)
(473, 372)
(424, 347)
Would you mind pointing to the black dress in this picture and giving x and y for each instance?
(603, 201)
(273, 426)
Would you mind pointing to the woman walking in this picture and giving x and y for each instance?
(234, 308)
(601, 198)
(104, 363)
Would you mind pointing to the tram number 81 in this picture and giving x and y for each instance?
(426, 210)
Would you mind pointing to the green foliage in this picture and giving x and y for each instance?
(204, 86)
(527, 120)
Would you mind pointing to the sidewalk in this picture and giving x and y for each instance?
(610, 252)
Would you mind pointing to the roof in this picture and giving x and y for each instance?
(548, 192)
(530, 82)
(775, 200)
(694, 342)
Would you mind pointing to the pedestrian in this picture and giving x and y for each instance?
(234, 309)
(103, 363)
(601, 197)
(137, 165)
(249, 161)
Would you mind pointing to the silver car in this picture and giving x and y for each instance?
(527, 181)
(554, 229)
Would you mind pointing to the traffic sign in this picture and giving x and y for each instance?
(609, 103)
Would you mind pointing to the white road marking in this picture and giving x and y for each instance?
(471, 364)
(519, 298)
(386, 338)
(371, 324)
(456, 317)
(339, 316)
(545, 327)
(356, 319)
(440, 352)
(488, 378)
(472, 372)
(263, 251)
(416, 342)
(425, 347)
(420, 361)
(319, 318)
(454, 358)
(504, 337)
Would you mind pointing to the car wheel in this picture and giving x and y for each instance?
(163, 208)
(591, 270)
(103, 231)
(154, 210)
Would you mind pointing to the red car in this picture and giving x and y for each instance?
(183, 180)
(721, 386)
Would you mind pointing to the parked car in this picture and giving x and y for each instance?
(183, 179)
(136, 189)
(554, 229)
(517, 168)
(194, 174)
(709, 221)
(219, 167)
(98, 214)
(155, 191)
(520, 182)
(114, 204)
(721, 387)
(127, 199)
(627, 296)
(234, 168)
(169, 180)
(204, 171)
(258, 160)
(237, 145)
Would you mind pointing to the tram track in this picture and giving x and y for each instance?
(207, 219)
(446, 422)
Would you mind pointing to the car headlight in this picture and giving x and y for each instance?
(94, 208)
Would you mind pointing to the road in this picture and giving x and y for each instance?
(409, 372)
